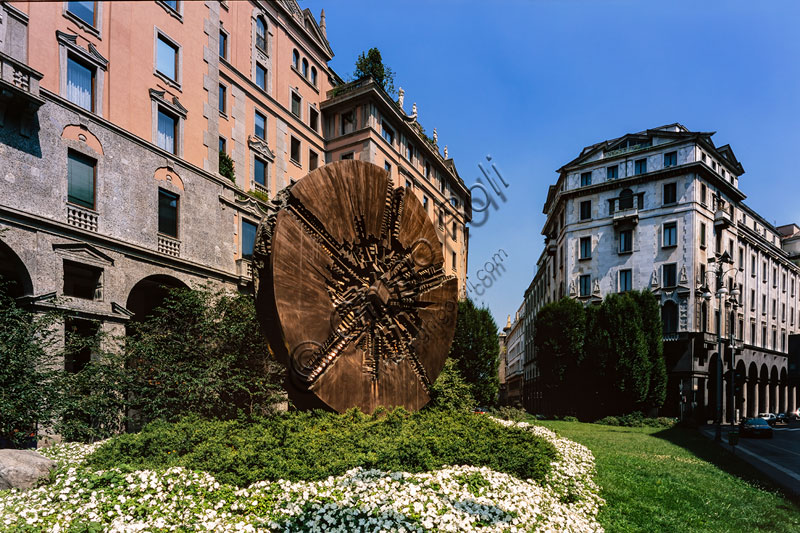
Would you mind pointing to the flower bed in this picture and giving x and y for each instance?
(454, 498)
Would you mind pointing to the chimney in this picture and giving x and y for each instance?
(322, 24)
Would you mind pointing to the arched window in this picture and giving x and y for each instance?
(296, 59)
(305, 68)
(626, 199)
(261, 34)
(669, 317)
(314, 76)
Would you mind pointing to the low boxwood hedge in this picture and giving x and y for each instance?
(315, 445)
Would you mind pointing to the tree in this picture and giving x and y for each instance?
(450, 391)
(627, 355)
(475, 350)
(28, 384)
(371, 65)
(559, 331)
(202, 352)
(652, 328)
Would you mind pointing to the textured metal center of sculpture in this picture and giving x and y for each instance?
(369, 262)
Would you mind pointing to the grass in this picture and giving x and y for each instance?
(656, 479)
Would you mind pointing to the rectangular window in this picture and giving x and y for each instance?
(409, 151)
(763, 304)
(792, 290)
(752, 299)
(586, 248)
(703, 194)
(783, 283)
(167, 58)
(172, 4)
(455, 231)
(753, 269)
(702, 235)
(297, 104)
(387, 132)
(670, 272)
(80, 179)
(586, 179)
(774, 277)
(670, 193)
(79, 337)
(260, 126)
(348, 122)
(347, 157)
(425, 203)
(586, 285)
(454, 260)
(248, 239)
(388, 167)
(625, 241)
(427, 170)
(83, 10)
(223, 45)
(612, 173)
(670, 159)
(81, 281)
(764, 335)
(752, 333)
(774, 308)
(295, 150)
(222, 95)
(313, 160)
(223, 145)
(261, 78)
(586, 210)
(80, 84)
(408, 184)
(167, 213)
(670, 234)
(774, 339)
(764, 274)
(313, 118)
(625, 280)
(640, 166)
(167, 131)
(783, 312)
(260, 171)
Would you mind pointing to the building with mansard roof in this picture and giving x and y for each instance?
(659, 210)
(120, 123)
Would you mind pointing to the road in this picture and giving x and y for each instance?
(778, 457)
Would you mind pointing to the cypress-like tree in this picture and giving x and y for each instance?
(475, 349)
(559, 332)
(650, 312)
(627, 354)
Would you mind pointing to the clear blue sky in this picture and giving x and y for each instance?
(533, 82)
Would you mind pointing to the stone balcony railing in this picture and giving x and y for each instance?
(722, 218)
(19, 83)
(169, 246)
(81, 217)
(244, 268)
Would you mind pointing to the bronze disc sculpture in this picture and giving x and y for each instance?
(351, 290)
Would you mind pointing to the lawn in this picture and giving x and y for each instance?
(676, 480)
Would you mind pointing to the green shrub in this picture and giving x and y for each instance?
(450, 391)
(315, 445)
(515, 414)
(226, 166)
(608, 421)
(569, 418)
(203, 353)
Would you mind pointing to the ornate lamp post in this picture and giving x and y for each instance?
(721, 293)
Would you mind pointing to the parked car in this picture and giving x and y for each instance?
(794, 415)
(756, 427)
(782, 418)
(769, 417)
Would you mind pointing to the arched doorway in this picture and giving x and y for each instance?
(13, 274)
(149, 293)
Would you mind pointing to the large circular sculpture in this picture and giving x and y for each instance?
(351, 290)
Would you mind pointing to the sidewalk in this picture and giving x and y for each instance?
(777, 458)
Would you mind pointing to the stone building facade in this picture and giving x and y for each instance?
(659, 210)
(112, 119)
(515, 351)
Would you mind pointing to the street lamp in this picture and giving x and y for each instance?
(722, 292)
